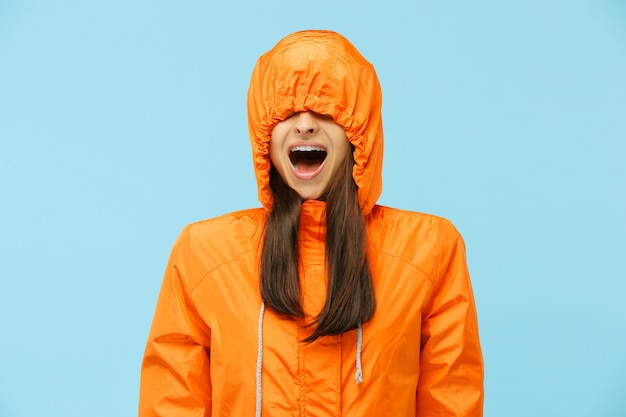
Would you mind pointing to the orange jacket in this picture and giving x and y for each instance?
(214, 351)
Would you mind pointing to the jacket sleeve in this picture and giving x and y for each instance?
(451, 375)
(175, 373)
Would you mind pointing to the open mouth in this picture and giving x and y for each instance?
(307, 159)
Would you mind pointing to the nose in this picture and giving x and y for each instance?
(305, 124)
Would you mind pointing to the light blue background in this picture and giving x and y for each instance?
(120, 122)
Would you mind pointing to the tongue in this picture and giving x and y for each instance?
(307, 166)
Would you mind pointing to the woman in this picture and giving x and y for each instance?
(321, 303)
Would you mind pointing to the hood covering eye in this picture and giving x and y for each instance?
(320, 71)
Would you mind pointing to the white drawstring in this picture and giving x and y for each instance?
(358, 376)
(259, 363)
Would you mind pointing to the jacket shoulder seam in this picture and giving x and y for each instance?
(255, 214)
(430, 280)
(217, 266)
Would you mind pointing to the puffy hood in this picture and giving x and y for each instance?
(320, 71)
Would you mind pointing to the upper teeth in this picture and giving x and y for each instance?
(307, 148)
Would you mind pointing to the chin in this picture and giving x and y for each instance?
(310, 196)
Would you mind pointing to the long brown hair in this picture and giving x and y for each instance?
(350, 297)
